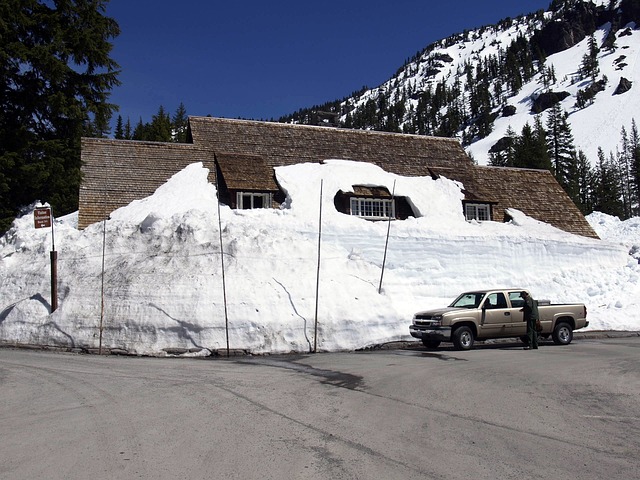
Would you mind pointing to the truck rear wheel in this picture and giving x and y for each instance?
(431, 342)
(463, 338)
(562, 334)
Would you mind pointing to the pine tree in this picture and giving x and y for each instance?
(159, 130)
(530, 150)
(55, 79)
(585, 184)
(509, 152)
(504, 157)
(561, 148)
(607, 191)
(179, 124)
(548, 75)
(128, 134)
(540, 153)
(634, 154)
(141, 131)
(119, 132)
(623, 166)
(524, 156)
(590, 66)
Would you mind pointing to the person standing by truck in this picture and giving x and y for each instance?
(530, 312)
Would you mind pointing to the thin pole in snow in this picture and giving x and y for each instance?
(386, 243)
(105, 217)
(104, 242)
(224, 286)
(315, 332)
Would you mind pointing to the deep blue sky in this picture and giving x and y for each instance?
(262, 59)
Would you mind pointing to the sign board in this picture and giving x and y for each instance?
(42, 217)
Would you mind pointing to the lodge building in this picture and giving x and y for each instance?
(241, 156)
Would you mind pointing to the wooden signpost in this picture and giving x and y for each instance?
(43, 218)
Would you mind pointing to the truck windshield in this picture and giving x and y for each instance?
(468, 300)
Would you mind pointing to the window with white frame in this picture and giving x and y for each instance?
(249, 200)
(373, 208)
(477, 211)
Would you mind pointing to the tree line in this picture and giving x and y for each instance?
(163, 127)
(611, 185)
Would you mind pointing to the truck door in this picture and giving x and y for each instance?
(518, 326)
(496, 316)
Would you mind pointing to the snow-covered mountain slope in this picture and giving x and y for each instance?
(450, 61)
(596, 125)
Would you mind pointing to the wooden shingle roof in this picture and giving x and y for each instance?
(283, 144)
(246, 172)
(534, 192)
(369, 191)
(117, 172)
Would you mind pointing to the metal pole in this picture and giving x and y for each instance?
(224, 287)
(54, 268)
(54, 280)
(104, 242)
(386, 243)
(315, 331)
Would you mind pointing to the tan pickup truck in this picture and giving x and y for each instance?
(487, 314)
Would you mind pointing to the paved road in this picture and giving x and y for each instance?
(496, 412)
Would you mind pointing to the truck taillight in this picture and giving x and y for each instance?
(585, 311)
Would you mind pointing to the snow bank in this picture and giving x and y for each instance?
(164, 288)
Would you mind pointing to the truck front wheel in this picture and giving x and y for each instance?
(562, 334)
(463, 338)
(431, 342)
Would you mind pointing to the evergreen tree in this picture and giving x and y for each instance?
(119, 132)
(159, 130)
(55, 80)
(540, 155)
(141, 131)
(179, 123)
(590, 66)
(128, 134)
(607, 191)
(584, 184)
(634, 154)
(561, 148)
(525, 146)
(498, 159)
(530, 150)
(505, 157)
(548, 75)
(623, 167)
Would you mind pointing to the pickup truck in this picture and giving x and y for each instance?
(488, 314)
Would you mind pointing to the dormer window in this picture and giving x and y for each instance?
(373, 208)
(250, 200)
(372, 203)
(480, 212)
(245, 182)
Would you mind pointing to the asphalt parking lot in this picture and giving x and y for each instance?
(494, 412)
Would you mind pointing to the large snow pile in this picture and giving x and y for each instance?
(164, 286)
